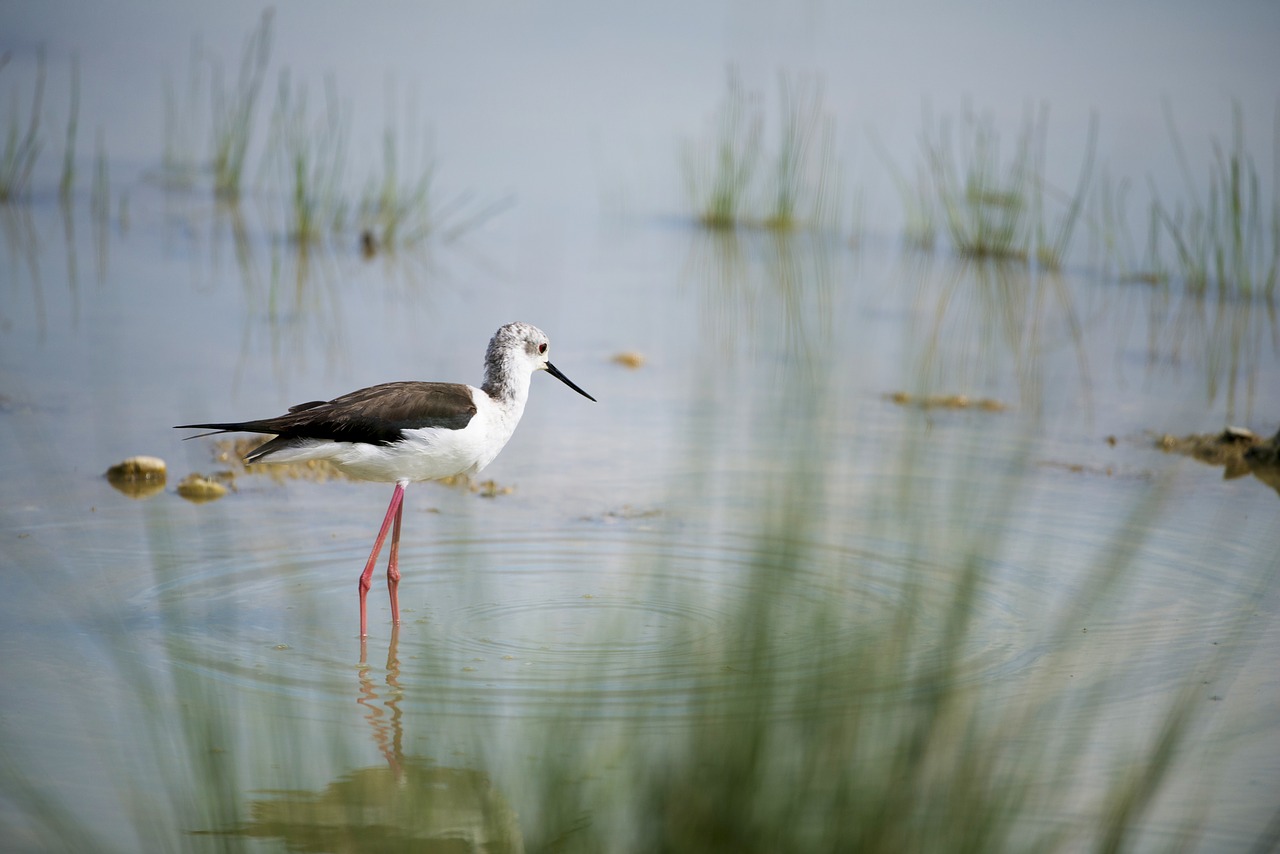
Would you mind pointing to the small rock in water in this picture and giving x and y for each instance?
(1238, 450)
(196, 487)
(139, 467)
(946, 401)
(1238, 435)
(138, 477)
(630, 359)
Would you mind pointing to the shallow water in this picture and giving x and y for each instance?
(180, 669)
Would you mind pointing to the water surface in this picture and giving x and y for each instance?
(746, 528)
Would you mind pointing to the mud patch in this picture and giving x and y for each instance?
(1237, 450)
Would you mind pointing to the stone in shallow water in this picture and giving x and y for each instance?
(138, 477)
(196, 487)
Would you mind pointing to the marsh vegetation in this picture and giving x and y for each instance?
(736, 179)
(870, 546)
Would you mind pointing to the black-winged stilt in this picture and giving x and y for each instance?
(409, 431)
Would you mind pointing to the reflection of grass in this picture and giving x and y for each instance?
(992, 313)
(1229, 341)
(21, 147)
(723, 180)
(233, 112)
(1231, 239)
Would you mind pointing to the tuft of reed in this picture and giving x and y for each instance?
(727, 181)
(233, 111)
(21, 146)
(996, 208)
(718, 183)
(1052, 243)
(985, 203)
(100, 193)
(309, 161)
(66, 185)
(393, 212)
(399, 207)
(804, 176)
(1228, 239)
(180, 164)
(919, 208)
(1111, 216)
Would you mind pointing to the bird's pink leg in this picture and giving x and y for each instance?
(397, 501)
(393, 568)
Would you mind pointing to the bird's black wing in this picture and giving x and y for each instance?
(376, 415)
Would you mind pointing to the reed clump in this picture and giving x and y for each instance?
(22, 142)
(733, 180)
(1226, 238)
(996, 207)
(308, 159)
(234, 110)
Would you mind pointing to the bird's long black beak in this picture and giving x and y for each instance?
(555, 372)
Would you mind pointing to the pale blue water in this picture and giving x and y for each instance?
(598, 594)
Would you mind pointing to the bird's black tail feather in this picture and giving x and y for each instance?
(215, 429)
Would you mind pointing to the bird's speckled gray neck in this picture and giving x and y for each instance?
(505, 376)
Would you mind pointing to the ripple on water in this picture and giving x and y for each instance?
(633, 626)
(607, 620)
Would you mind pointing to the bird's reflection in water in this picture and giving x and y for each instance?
(410, 804)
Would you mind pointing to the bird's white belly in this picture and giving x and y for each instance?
(428, 453)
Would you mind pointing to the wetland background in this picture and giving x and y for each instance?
(869, 543)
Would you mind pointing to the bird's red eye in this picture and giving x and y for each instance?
(542, 348)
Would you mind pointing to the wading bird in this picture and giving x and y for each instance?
(409, 431)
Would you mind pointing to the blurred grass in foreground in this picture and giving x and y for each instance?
(811, 722)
